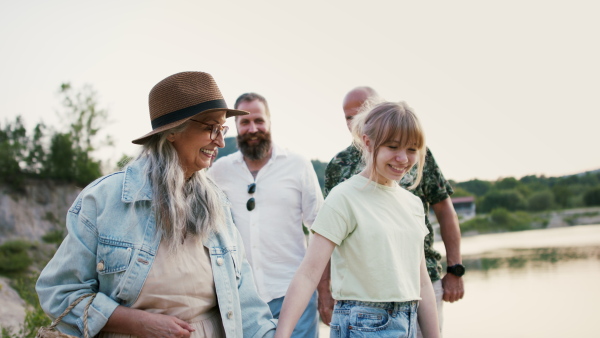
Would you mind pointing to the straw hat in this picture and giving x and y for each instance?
(181, 96)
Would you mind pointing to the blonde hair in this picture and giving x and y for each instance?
(384, 122)
(181, 207)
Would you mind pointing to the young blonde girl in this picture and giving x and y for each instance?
(373, 231)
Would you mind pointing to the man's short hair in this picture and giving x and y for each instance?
(249, 97)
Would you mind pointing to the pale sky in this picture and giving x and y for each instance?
(505, 88)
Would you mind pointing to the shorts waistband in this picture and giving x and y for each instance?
(395, 306)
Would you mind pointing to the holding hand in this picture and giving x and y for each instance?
(326, 301)
(454, 289)
(145, 324)
(326, 304)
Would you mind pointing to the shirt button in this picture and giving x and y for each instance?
(100, 266)
(229, 314)
(219, 261)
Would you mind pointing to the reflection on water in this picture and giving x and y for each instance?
(518, 260)
(540, 283)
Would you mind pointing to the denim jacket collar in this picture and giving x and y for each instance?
(136, 185)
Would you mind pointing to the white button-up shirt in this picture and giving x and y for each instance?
(287, 195)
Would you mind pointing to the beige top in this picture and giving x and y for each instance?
(379, 232)
(182, 285)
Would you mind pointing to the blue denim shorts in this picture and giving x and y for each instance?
(372, 319)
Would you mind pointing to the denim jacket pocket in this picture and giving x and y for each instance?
(113, 256)
(220, 255)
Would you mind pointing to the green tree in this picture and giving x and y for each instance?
(506, 183)
(84, 116)
(13, 153)
(509, 199)
(562, 194)
(540, 200)
(70, 154)
(60, 162)
(592, 197)
(477, 187)
(36, 154)
(460, 192)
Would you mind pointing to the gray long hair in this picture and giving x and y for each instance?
(181, 207)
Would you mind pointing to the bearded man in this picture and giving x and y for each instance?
(273, 192)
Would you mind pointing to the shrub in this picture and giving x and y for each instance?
(499, 220)
(14, 257)
(54, 236)
(500, 216)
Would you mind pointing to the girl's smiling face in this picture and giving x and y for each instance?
(393, 161)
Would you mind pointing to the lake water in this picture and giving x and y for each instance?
(538, 283)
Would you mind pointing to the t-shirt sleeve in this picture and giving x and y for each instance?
(435, 186)
(333, 221)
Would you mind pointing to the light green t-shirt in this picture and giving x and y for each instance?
(379, 233)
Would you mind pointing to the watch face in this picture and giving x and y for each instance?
(457, 270)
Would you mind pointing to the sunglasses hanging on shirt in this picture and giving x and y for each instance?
(251, 202)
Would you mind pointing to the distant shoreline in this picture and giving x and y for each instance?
(579, 235)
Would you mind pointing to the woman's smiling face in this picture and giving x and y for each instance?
(394, 161)
(194, 145)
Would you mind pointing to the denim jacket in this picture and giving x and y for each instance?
(110, 247)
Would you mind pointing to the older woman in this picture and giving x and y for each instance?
(156, 242)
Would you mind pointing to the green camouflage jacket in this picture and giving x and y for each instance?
(432, 189)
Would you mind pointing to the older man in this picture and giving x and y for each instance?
(273, 191)
(433, 190)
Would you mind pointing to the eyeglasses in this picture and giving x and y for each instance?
(251, 202)
(216, 128)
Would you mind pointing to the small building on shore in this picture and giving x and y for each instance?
(464, 206)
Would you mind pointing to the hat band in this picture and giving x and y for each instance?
(187, 112)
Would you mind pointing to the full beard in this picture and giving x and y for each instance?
(258, 151)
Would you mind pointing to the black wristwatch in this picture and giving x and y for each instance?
(456, 269)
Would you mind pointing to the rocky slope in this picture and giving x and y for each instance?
(41, 208)
(29, 215)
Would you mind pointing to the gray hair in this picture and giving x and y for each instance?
(181, 207)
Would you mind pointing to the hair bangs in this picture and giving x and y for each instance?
(402, 128)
